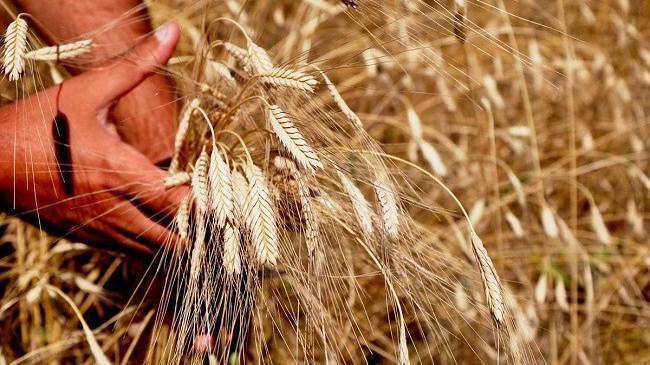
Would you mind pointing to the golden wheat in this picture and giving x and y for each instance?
(15, 47)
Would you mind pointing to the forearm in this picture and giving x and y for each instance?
(66, 19)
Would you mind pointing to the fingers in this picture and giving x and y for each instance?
(134, 225)
(110, 83)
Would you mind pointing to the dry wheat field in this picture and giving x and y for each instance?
(370, 182)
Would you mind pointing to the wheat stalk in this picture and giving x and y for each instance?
(260, 217)
(60, 52)
(200, 183)
(284, 77)
(231, 243)
(340, 102)
(220, 188)
(15, 47)
(293, 140)
(359, 204)
(388, 204)
(491, 282)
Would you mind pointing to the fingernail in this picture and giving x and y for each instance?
(162, 32)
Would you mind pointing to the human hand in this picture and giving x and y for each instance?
(95, 187)
(145, 117)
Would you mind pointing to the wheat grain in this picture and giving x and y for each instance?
(239, 54)
(260, 217)
(359, 204)
(491, 281)
(221, 197)
(60, 52)
(293, 140)
(177, 179)
(388, 204)
(340, 102)
(231, 242)
(15, 46)
(200, 184)
(284, 77)
(433, 158)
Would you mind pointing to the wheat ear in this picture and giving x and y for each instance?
(433, 158)
(548, 222)
(284, 77)
(60, 52)
(200, 184)
(491, 282)
(260, 217)
(293, 140)
(259, 60)
(359, 204)
(239, 54)
(388, 204)
(220, 188)
(340, 102)
(312, 226)
(15, 48)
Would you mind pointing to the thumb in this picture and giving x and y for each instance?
(112, 82)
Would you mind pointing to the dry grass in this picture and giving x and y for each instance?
(341, 239)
